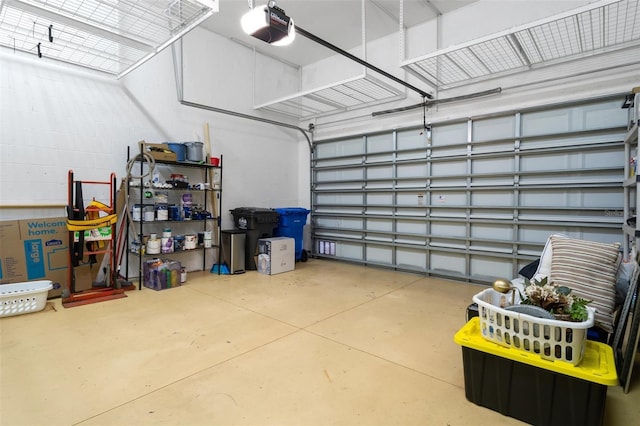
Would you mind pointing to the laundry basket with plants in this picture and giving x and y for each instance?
(545, 319)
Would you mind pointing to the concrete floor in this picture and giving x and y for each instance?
(327, 344)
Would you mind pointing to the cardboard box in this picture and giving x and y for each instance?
(160, 152)
(95, 234)
(34, 249)
(38, 249)
(276, 255)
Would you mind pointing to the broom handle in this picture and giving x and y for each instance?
(212, 194)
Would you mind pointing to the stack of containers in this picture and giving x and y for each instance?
(187, 151)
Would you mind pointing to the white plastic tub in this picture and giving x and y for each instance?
(23, 298)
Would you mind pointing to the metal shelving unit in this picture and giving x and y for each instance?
(136, 194)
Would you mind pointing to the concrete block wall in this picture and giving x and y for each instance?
(56, 117)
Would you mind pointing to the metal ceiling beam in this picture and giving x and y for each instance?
(515, 44)
(386, 11)
(433, 7)
(83, 26)
(167, 43)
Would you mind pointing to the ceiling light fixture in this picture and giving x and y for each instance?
(269, 23)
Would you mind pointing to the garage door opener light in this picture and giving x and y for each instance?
(269, 23)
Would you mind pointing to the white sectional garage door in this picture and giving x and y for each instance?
(475, 199)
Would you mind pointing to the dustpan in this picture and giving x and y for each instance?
(220, 269)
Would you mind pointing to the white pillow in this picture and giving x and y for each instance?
(544, 267)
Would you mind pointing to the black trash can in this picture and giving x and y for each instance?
(259, 223)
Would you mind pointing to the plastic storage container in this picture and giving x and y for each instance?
(161, 274)
(537, 391)
(194, 151)
(259, 223)
(24, 297)
(291, 224)
(179, 149)
(551, 339)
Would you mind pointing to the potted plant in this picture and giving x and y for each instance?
(555, 299)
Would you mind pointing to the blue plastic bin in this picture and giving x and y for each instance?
(291, 223)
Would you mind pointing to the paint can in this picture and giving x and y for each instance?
(153, 245)
(136, 212)
(167, 244)
(162, 212)
(190, 242)
(206, 241)
(148, 213)
(178, 243)
(174, 212)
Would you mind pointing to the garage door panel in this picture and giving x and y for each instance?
(491, 268)
(350, 251)
(491, 232)
(479, 198)
(443, 262)
(447, 229)
(411, 227)
(380, 172)
(411, 170)
(411, 139)
(342, 147)
(412, 259)
(448, 134)
(339, 199)
(342, 223)
(494, 128)
(385, 198)
(491, 165)
(379, 143)
(557, 197)
(343, 174)
(379, 225)
(504, 197)
(379, 254)
(448, 168)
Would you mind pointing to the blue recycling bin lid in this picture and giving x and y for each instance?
(289, 216)
(292, 211)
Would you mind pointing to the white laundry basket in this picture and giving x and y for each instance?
(551, 339)
(24, 297)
